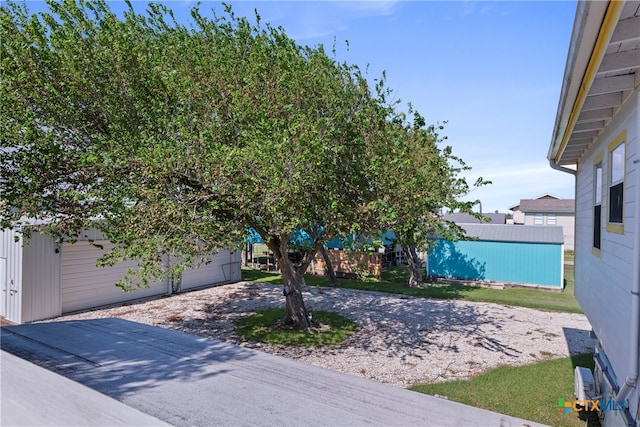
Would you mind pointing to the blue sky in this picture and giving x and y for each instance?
(491, 70)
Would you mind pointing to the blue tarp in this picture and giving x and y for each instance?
(302, 238)
(299, 238)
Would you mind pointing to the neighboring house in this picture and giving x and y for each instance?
(506, 254)
(46, 279)
(595, 138)
(548, 210)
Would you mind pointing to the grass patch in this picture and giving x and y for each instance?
(253, 275)
(530, 392)
(394, 281)
(263, 327)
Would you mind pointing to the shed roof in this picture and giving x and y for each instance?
(515, 233)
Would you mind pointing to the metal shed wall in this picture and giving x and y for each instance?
(10, 275)
(512, 262)
(225, 267)
(41, 279)
(45, 279)
(85, 286)
(30, 281)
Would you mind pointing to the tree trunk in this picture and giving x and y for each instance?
(415, 266)
(296, 312)
(333, 280)
(293, 278)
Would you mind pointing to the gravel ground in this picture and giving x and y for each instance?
(400, 341)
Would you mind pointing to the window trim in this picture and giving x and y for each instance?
(615, 227)
(538, 218)
(551, 219)
(597, 164)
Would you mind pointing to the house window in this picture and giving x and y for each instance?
(616, 185)
(538, 219)
(552, 219)
(597, 204)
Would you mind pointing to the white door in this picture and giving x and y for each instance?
(86, 286)
(10, 300)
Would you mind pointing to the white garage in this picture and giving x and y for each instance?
(82, 284)
(223, 267)
(45, 279)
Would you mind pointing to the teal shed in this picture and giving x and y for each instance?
(511, 254)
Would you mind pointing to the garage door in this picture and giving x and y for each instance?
(86, 286)
(225, 267)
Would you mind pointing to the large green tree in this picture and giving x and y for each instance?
(418, 180)
(176, 139)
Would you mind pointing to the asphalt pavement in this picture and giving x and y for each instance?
(116, 372)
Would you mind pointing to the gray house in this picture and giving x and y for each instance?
(548, 210)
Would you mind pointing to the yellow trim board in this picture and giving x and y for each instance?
(616, 227)
(606, 31)
(598, 159)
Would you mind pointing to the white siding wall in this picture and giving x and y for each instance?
(225, 267)
(31, 286)
(45, 279)
(41, 279)
(568, 223)
(604, 279)
(85, 286)
(11, 253)
(518, 217)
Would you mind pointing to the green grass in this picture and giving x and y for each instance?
(263, 327)
(530, 392)
(394, 280)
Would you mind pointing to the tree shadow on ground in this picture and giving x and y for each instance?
(445, 260)
(118, 357)
(579, 342)
(403, 322)
(401, 326)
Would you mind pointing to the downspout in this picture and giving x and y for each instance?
(575, 184)
(634, 335)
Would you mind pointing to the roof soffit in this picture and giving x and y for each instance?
(615, 74)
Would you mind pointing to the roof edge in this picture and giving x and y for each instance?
(593, 26)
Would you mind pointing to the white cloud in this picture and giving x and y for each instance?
(366, 8)
(308, 20)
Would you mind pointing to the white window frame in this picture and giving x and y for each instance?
(616, 177)
(552, 219)
(596, 242)
(538, 219)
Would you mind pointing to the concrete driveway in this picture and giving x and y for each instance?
(149, 376)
